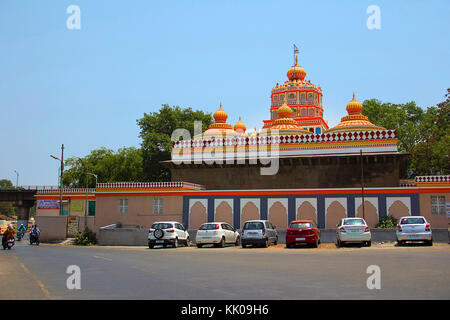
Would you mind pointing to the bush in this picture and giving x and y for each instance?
(388, 222)
(85, 238)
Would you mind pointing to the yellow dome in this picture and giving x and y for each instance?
(355, 120)
(220, 115)
(354, 107)
(240, 126)
(296, 72)
(284, 111)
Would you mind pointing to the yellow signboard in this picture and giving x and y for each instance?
(76, 205)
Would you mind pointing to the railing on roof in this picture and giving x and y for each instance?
(65, 190)
(438, 178)
(144, 185)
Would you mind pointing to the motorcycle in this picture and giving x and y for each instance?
(20, 235)
(34, 238)
(8, 244)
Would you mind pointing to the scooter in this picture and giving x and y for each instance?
(8, 244)
(34, 238)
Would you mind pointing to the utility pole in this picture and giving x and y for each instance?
(17, 178)
(362, 183)
(60, 179)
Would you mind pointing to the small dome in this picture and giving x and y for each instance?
(355, 120)
(240, 126)
(354, 107)
(296, 72)
(220, 115)
(284, 111)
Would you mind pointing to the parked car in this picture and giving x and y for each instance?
(168, 233)
(217, 233)
(414, 228)
(258, 232)
(302, 231)
(353, 230)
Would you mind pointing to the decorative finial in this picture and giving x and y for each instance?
(296, 60)
(353, 95)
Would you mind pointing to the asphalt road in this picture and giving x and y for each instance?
(39, 272)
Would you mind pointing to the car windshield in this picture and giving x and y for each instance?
(209, 226)
(162, 226)
(353, 222)
(253, 226)
(300, 225)
(412, 221)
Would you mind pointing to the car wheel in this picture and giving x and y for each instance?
(244, 246)
(289, 245)
(199, 245)
(316, 244)
(238, 241)
(276, 241)
(175, 244)
(430, 242)
(188, 242)
(399, 243)
(151, 246)
(266, 243)
(369, 243)
(221, 243)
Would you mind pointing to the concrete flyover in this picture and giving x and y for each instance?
(23, 199)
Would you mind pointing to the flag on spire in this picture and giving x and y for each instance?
(296, 49)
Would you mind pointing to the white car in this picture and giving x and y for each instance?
(168, 233)
(414, 228)
(353, 230)
(217, 233)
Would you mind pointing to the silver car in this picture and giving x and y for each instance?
(353, 230)
(414, 228)
(258, 232)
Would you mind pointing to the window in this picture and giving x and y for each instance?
(310, 96)
(275, 98)
(438, 204)
(303, 96)
(311, 112)
(123, 206)
(303, 112)
(412, 221)
(157, 205)
(291, 96)
(301, 225)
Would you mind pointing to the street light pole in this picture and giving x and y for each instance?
(362, 183)
(17, 178)
(60, 179)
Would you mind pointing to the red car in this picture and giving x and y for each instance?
(302, 231)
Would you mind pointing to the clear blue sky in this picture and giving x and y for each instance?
(86, 88)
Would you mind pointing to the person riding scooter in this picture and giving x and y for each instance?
(8, 234)
(21, 232)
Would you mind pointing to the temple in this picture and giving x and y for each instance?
(308, 153)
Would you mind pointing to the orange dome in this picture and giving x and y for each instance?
(354, 107)
(296, 72)
(240, 126)
(284, 111)
(220, 115)
(355, 120)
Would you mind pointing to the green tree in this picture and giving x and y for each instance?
(6, 184)
(6, 208)
(156, 131)
(405, 118)
(423, 134)
(122, 166)
(431, 155)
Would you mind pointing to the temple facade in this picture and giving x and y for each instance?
(295, 167)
